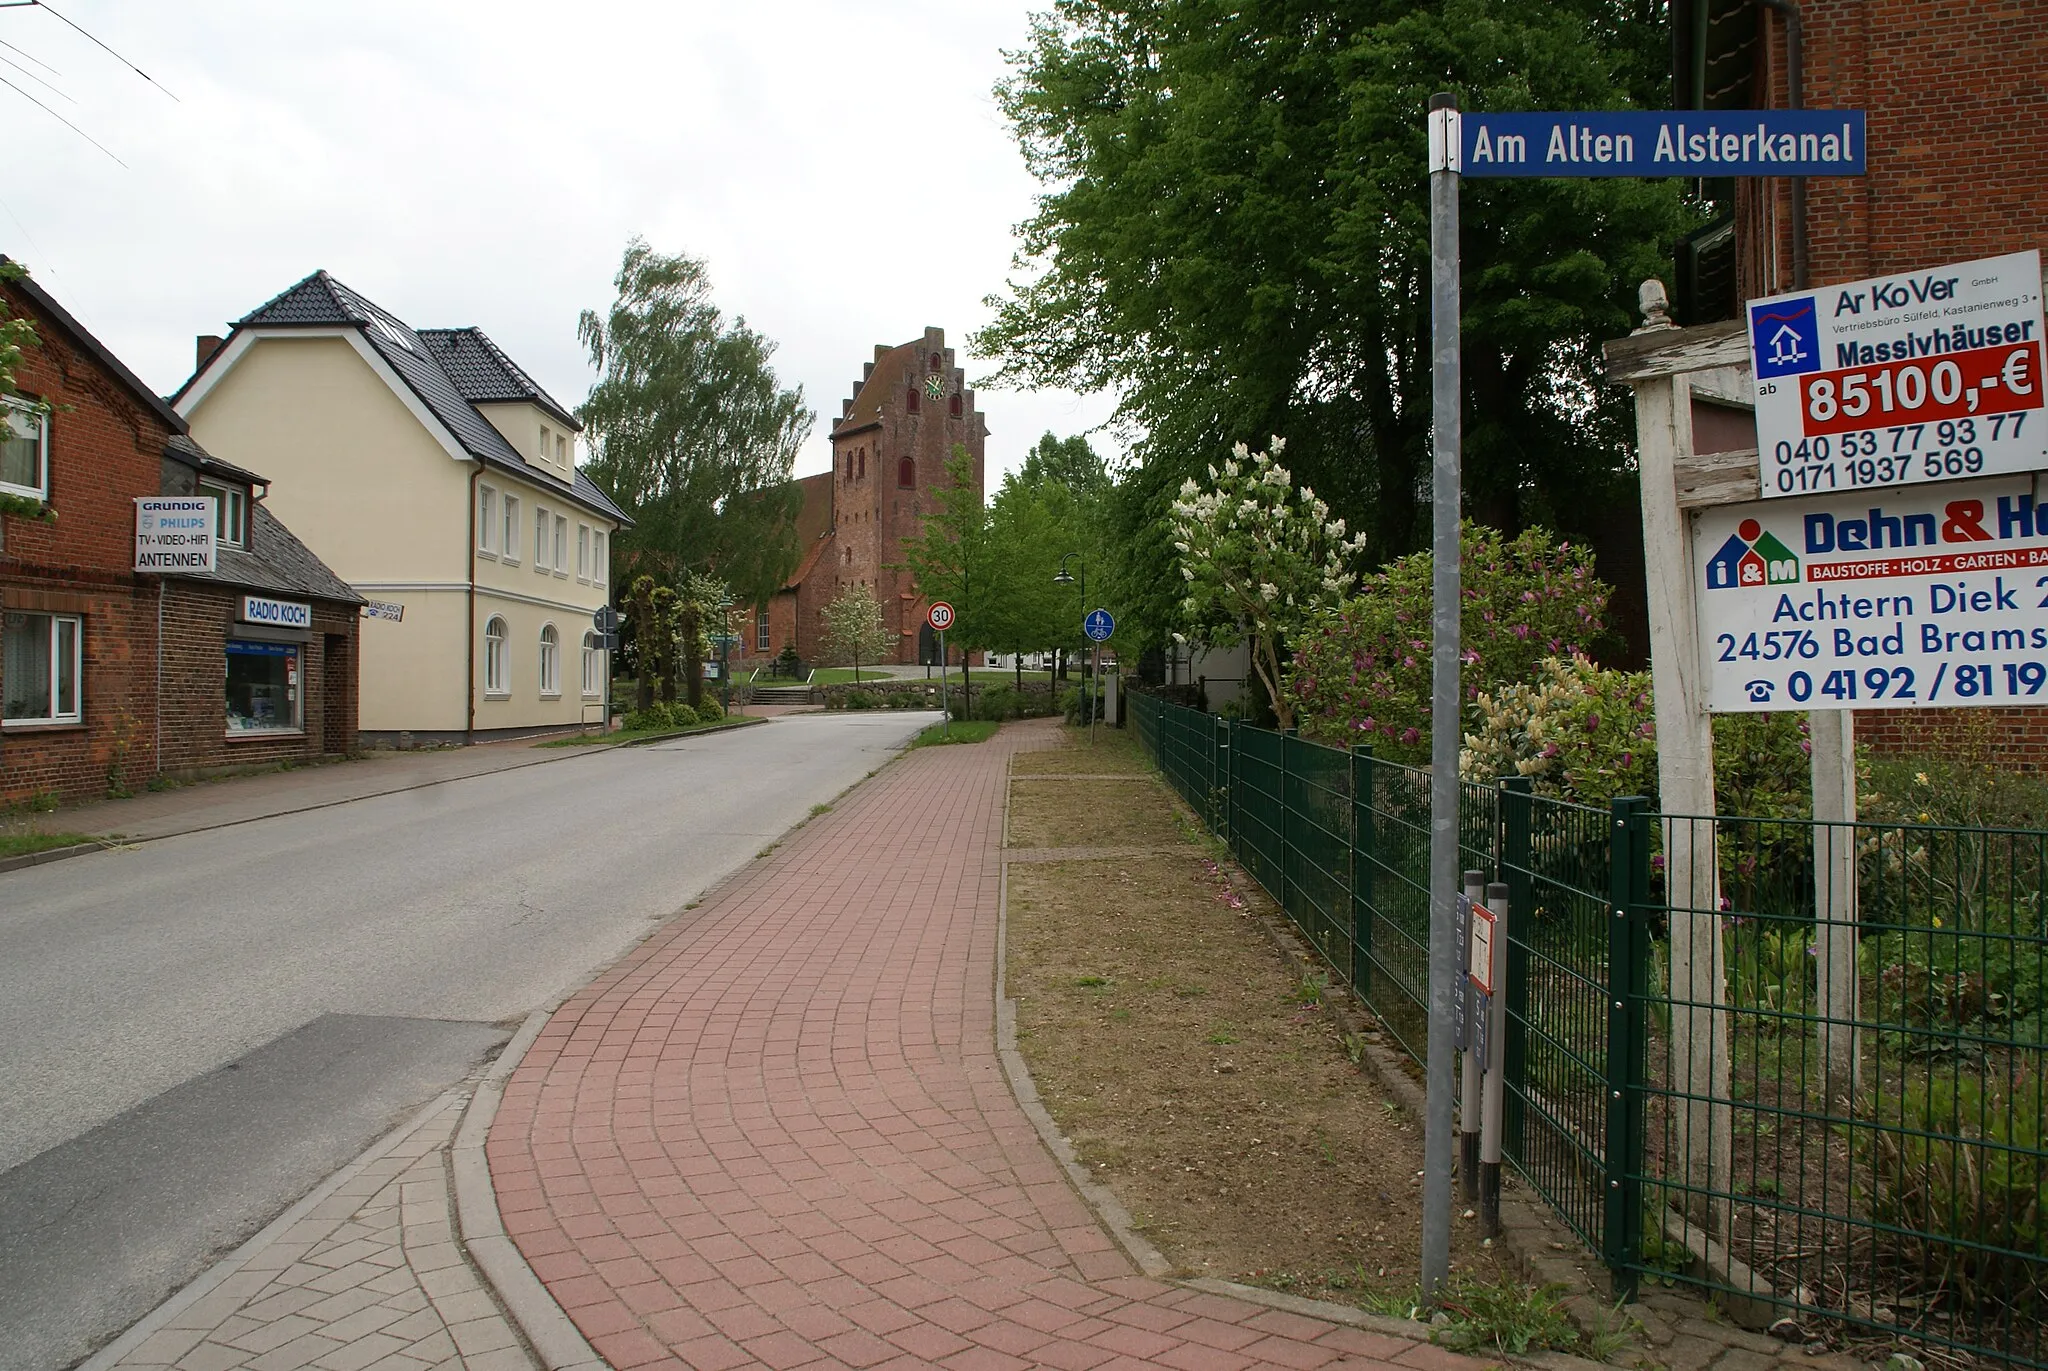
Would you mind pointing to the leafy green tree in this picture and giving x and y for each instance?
(691, 433)
(952, 558)
(1233, 236)
(854, 629)
(15, 334)
(1032, 524)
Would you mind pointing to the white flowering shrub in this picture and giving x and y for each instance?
(1260, 560)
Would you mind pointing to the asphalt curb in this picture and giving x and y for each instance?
(110, 841)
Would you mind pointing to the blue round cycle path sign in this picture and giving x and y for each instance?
(1098, 625)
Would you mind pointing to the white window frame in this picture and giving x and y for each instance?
(550, 662)
(230, 513)
(761, 629)
(540, 539)
(497, 657)
(600, 568)
(487, 519)
(57, 716)
(562, 451)
(593, 669)
(544, 443)
(583, 552)
(9, 408)
(510, 552)
(561, 545)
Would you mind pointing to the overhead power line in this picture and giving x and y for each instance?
(62, 120)
(43, 4)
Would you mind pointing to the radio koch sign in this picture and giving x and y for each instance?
(1925, 376)
(1895, 599)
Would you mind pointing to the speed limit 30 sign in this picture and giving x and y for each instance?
(939, 616)
(1926, 376)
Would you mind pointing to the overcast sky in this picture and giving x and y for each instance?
(840, 164)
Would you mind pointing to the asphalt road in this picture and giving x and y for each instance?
(195, 1031)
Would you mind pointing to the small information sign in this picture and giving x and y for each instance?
(1922, 376)
(384, 609)
(1895, 599)
(1481, 950)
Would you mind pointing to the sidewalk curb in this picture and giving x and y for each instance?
(546, 1327)
(207, 1281)
(58, 854)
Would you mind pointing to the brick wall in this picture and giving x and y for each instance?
(116, 741)
(1958, 169)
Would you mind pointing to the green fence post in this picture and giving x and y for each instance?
(1517, 814)
(1363, 831)
(1628, 887)
(1230, 786)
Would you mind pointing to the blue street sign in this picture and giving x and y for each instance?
(1098, 625)
(1712, 143)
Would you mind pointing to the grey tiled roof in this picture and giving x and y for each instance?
(321, 300)
(483, 373)
(181, 447)
(275, 561)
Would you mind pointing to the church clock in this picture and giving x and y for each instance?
(935, 386)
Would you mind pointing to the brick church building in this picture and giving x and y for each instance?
(908, 412)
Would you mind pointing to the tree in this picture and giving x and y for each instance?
(15, 334)
(951, 556)
(692, 435)
(854, 627)
(1233, 236)
(1261, 560)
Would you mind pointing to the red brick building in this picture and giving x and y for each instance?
(107, 676)
(1957, 102)
(908, 412)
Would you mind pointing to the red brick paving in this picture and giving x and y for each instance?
(777, 1134)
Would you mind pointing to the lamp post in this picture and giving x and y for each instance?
(1066, 578)
(725, 655)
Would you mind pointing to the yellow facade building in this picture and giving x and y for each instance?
(439, 480)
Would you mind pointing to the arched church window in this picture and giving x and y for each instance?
(912, 402)
(906, 473)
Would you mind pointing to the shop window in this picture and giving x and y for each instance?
(39, 668)
(497, 666)
(230, 514)
(593, 667)
(263, 687)
(550, 661)
(761, 629)
(906, 473)
(916, 397)
(24, 450)
(486, 518)
(510, 550)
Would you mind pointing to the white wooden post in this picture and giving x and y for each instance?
(1832, 734)
(1699, 1051)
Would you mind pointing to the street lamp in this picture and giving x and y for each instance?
(1066, 578)
(725, 655)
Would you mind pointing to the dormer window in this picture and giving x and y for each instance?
(544, 435)
(230, 513)
(562, 451)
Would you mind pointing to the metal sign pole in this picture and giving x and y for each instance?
(945, 707)
(1438, 1138)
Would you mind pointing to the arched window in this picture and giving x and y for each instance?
(906, 473)
(912, 403)
(497, 667)
(938, 362)
(953, 404)
(863, 463)
(593, 666)
(550, 661)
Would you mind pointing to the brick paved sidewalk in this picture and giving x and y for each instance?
(778, 1133)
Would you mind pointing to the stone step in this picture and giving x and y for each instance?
(782, 695)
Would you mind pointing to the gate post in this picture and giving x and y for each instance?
(1517, 812)
(1628, 881)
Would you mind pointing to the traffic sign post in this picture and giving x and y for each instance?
(606, 622)
(1689, 143)
(940, 617)
(1097, 625)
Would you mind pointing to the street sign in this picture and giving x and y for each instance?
(606, 619)
(1895, 599)
(939, 616)
(1765, 142)
(1922, 376)
(609, 641)
(1099, 625)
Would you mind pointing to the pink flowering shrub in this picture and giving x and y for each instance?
(1360, 672)
(1578, 731)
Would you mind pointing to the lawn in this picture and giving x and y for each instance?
(961, 731)
(631, 735)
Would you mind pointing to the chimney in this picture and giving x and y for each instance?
(208, 344)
